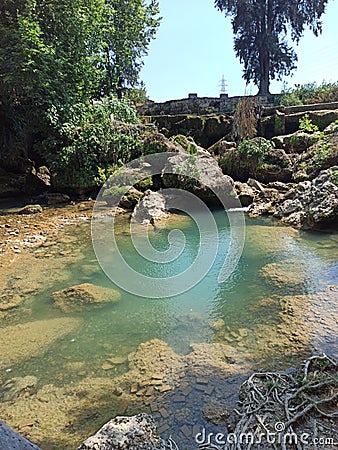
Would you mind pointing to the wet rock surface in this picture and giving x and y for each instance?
(126, 433)
(288, 274)
(75, 298)
(33, 338)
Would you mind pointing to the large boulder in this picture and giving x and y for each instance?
(76, 298)
(205, 130)
(126, 433)
(151, 208)
(287, 122)
(297, 142)
(322, 155)
(272, 165)
(246, 194)
(312, 204)
(221, 148)
(199, 175)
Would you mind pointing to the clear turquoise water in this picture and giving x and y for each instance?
(186, 318)
(118, 329)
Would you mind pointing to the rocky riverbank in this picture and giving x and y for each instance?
(272, 408)
(295, 183)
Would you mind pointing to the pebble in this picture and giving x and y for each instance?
(157, 376)
(201, 380)
(186, 391)
(116, 360)
(26, 423)
(178, 398)
(164, 413)
(156, 382)
(118, 391)
(134, 388)
(106, 366)
(164, 388)
(163, 428)
(186, 431)
(122, 408)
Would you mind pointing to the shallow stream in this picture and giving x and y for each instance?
(277, 307)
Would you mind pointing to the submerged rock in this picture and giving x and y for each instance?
(126, 433)
(32, 339)
(75, 298)
(18, 386)
(288, 273)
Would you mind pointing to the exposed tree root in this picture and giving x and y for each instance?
(280, 411)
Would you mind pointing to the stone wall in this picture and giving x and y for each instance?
(201, 105)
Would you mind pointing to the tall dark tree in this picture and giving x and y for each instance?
(263, 29)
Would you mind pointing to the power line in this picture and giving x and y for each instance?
(223, 86)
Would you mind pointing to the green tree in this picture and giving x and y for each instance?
(58, 53)
(129, 27)
(262, 29)
(47, 58)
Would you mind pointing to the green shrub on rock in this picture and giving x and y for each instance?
(87, 137)
(305, 124)
(257, 148)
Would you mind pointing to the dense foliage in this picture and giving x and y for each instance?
(86, 143)
(56, 58)
(262, 30)
(308, 93)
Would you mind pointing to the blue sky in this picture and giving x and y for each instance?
(194, 48)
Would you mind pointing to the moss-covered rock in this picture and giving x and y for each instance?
(75, 298)
(271, 165)
(205, 130)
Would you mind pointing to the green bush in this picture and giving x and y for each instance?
(323, 152)
(154, 143)
(87, 139)
(305, 124)
(309, 93)
(257, 148)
